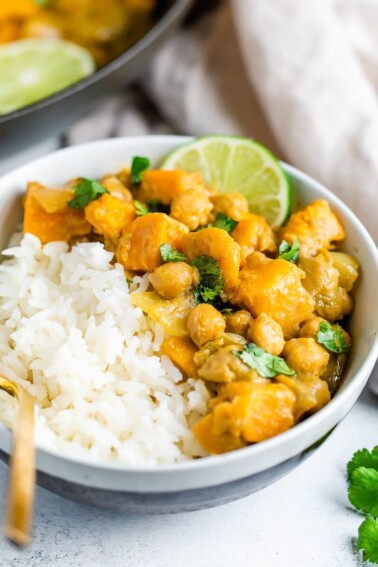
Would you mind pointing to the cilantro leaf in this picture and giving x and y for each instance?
(138, 167)
(289, 253)
(332, 337)
(140, 209)
(224, 221)
(156, 206)
(170, 254)
(363, 490)
(210, 279)
(367, 541)
(363, 458)
(266, 365)
(86, 190)
(42, 2)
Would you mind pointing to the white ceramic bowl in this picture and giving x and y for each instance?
(214, 480)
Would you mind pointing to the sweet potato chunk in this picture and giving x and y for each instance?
(181, 351)
(18, 9)
(213, 443)
(316, 227)
(250, 412)
(253, 233)
(139, 246)
(274, 287)
(48, 216)
(109, 215)
(218, 244)
(164, 186)
(265, 411)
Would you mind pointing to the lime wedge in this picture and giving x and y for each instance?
(232, 163)
(31, 69)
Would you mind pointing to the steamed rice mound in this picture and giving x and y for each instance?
(70, 335)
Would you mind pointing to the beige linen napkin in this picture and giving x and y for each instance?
(301, 77)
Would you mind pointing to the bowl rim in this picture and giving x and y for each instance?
(164, 22)
(331, 414)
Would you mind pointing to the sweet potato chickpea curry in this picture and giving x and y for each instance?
(105, 28)
(251, 311)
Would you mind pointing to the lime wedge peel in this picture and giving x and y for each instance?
(233, 163)
(32, 69)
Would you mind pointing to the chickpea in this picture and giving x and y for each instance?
(191, 208)
(224, 366)
(233, 204)
(306, 356)
(172, 279)
(204, 323)
(267, 334)
(311, 327)
(238, 322)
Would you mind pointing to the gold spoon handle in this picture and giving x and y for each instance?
(22, 468)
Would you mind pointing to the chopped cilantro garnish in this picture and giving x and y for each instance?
(42, 2)
(224, 221)
(266, 364)
(156, 206)
(363, 458)
(86, 190)
(170, 254)
(289, 253)
(138, 167)
(332, 337)
(367, 541)
(140, 209)
(210, 279)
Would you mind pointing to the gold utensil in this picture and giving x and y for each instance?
(22, 467)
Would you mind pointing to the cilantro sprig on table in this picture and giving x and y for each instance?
(332, 337)
(367, 541)
(86, 190)
(266, 365)
(289, 253)
(362, 472)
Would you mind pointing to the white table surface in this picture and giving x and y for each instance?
(302, 520)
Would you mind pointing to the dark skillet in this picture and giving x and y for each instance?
(22, 128)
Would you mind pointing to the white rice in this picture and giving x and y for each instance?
(71, 337)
